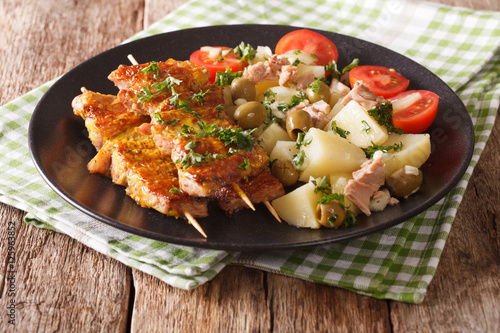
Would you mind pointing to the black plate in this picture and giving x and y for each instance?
(60, 146)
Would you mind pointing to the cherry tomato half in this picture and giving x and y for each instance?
(419, 116)
(217, 64)
(309, 42)
(381, 80)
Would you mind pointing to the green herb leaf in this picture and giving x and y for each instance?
(343, 133)
(383, 114)
(365, 127)
(245, 165)
(383, 148)
(225, 78)
(152, 68)
(241, 138)
(245, 52)
(200, 97)
(323, 186)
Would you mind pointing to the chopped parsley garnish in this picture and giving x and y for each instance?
(383, 148)
(315, 86)
(327, 197)
(296, 99)
(145, 94)
(174, 190)
(365, 127)
(206, 130)
(323, 186)
(152, 68)
(301, 142)
(168, 83)
(298, 160)
(192, 158)
(185, 106)
(245, 52)
(159, 119)
(245, 165)
(383, 114)
(225, 78)
(296, 62)
(241, 138)
(200, 97)
(174, 99)
(335, 73)
(343, 133)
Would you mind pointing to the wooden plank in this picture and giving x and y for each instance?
(303, 306)
(234, 301)
(60, 284)
(57, 284)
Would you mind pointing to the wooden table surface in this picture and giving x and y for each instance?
(62, 285)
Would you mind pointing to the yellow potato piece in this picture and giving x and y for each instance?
(416, 150)
(363, 128)
(271, 135)
(328, 153)
(298, 207)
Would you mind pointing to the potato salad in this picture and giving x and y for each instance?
(343, 142)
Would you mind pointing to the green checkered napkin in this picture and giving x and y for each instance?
(459, 45)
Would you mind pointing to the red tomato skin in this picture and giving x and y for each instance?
(383, 81)
(201, 58)
(310, 42)
(418, 117)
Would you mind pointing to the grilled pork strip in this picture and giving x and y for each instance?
(132, 80)
(263, 187)
(151, 179)
(131, 158)
(187, 123)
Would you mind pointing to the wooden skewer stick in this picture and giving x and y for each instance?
(271, 209)
(193, 221)
(132, 59)
(243, 196)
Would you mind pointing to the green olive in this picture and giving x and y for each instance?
(243, 88)
(250, 114)
(284, 171)
(403, 184)
(230, 109)
(330, 214)
(318, 92)
(298, 121)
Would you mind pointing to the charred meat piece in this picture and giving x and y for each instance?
(151, 179)
(210, 151)
(144, 87)
(131, 158)
(105, 117)
(260, 188)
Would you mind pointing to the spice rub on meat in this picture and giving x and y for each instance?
(166, 139)
(131, 158)
(189, 124)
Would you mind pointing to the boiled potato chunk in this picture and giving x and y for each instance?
(363, 129)
(416, 150)
(298, 207)
(283, 150)
(271, 135)
(283, 94)
(317, 71)
(328, 153)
